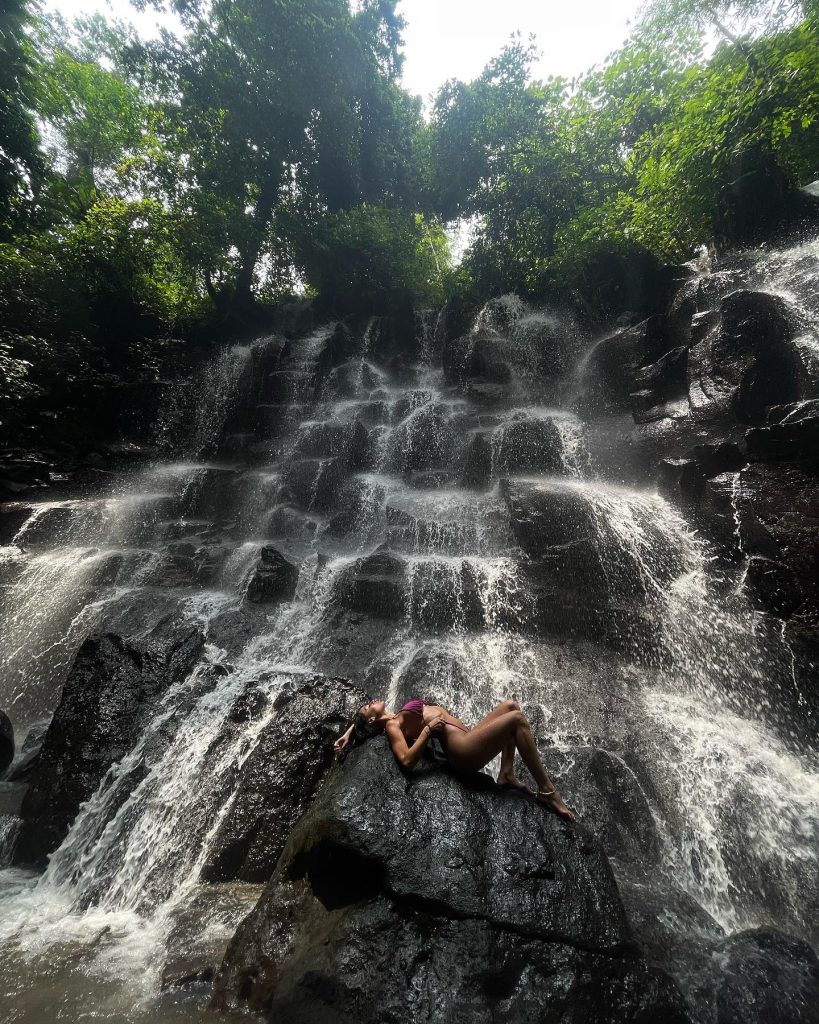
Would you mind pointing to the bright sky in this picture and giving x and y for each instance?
(455, 38)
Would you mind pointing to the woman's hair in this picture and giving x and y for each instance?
(364, 730)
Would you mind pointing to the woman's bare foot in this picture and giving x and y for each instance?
(554, 801)
(511, 781)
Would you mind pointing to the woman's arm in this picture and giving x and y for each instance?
(408, 756)
(340, 744)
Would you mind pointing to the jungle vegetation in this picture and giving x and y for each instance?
(165, 189)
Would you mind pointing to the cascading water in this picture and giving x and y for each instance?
(407, 503)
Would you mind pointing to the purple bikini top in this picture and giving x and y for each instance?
(416, 707)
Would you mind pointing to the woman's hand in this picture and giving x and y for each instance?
(436, 724)
(340, 744)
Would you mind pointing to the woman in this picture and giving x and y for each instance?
(504, 730)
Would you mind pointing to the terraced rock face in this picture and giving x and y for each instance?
(467, 517)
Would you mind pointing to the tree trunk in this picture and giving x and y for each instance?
(260, 223)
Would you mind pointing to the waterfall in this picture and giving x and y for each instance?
(619, 633)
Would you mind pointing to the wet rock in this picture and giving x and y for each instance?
(731, 522)
(278, 780)
(774, 586)
(477, 468)
(322, 439)
(680, 479)
(667, 922)
(609, 368)
(445, 594)
(69, 522)
(674, 933)
(694, 310)
(109, 694)
(607, 794)
(528, 446)
(582, 578)
(459, 842)
(485, 392)
(360, 454)
(717, 457)
(746, 364)
(209, 493)
(6, 741)
(424, 440)
(765, 977)
(375, 585)
(201, 931)
(340, 345)
(792, 433)
(29, 752)
(431, 674)
(562, 528)
(13, 514)
(360, 513)
(273, 579)
(378, 961)
(478, 356)
(451, 912)
(314, 484)
(661, 388)
(780, 501)
(622, 624)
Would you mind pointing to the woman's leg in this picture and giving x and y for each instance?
(476, 749)
(503, 708)
(506, 775)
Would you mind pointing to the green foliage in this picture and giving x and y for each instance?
(371, 257)
(644, 150)
(93, 116)
(276, 106)
(271, 146)
(20, 159)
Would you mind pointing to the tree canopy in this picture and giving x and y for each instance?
(151, 188)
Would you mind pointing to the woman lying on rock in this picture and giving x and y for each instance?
(503, 731)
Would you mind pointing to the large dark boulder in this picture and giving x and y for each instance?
(528, 445)
(606, 791)
(477, 357)
(790, 432)
(607, 371)
(277, 781)
(273, 579)
(425, 439)
(661, 387)
(6, 741)
(583, 578)
(459, 843)
(375, 585)
(566, 530)
(426, 896)
(109, 694)
(477, 461)
(765, 977)
(748, 362)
